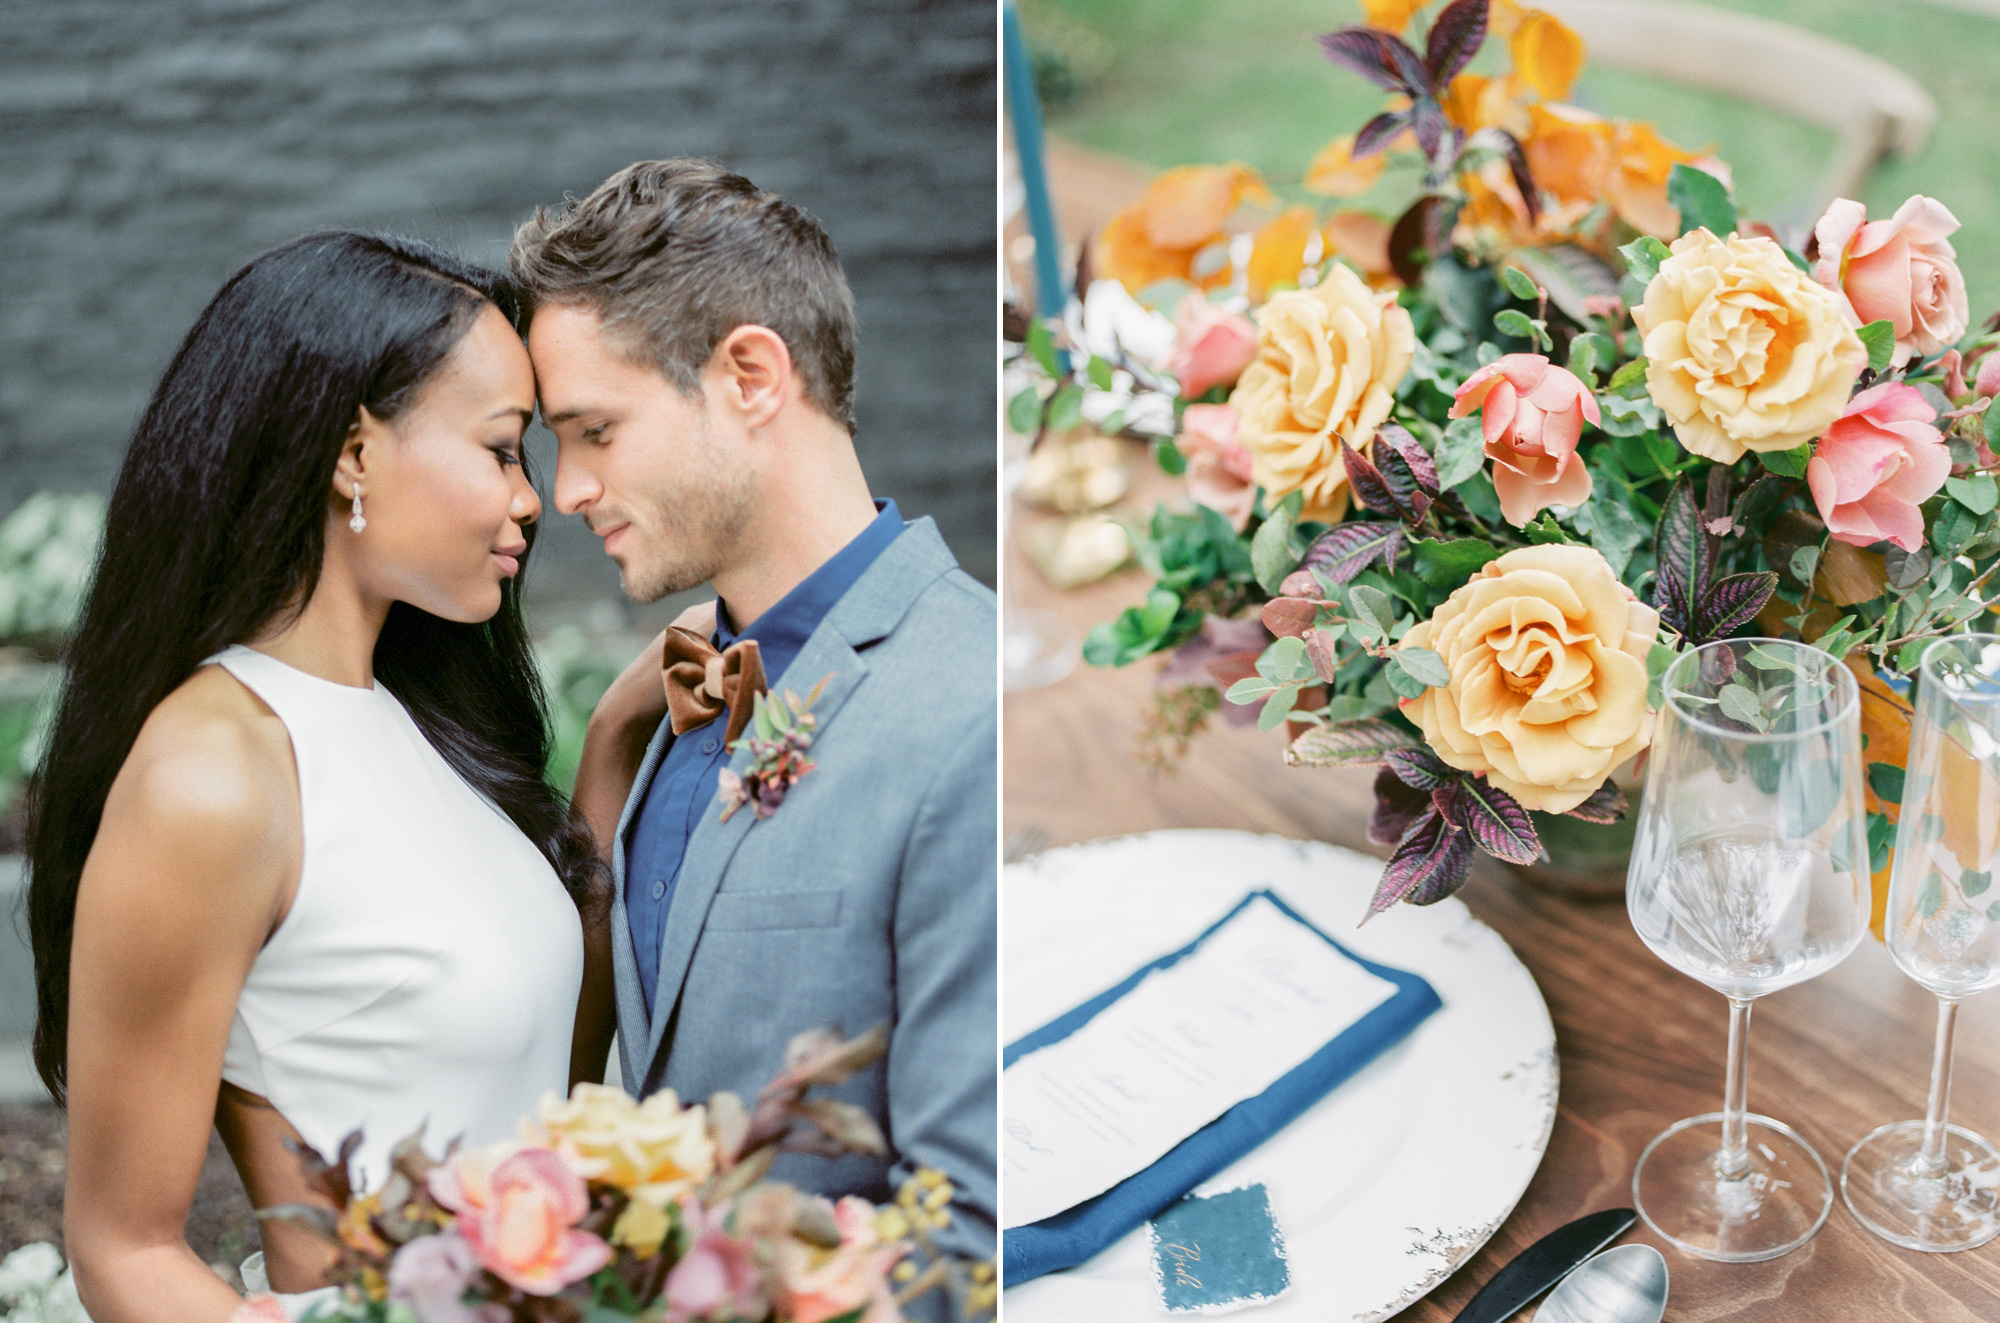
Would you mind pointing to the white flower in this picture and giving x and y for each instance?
(1114, 325)
(30, 1268)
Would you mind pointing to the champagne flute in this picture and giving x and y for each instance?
(1749, 873)
(1928, 1185)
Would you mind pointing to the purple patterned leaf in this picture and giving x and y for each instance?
(1345, 550)
(1359, 742)
(1427, 118)
(1605, 806)
(1289, 617)
(1455, 38)
(1376, 133)
(1682, 546)
(1367, 481)
(1733, 603)
(1524, 178)
(1498, 823)
(1420, 768)
(1431, 862)
(1397, 808)
(1448, 799)
(1381, 58)
(1417, 461)
(1670, 599)
(1324, 651)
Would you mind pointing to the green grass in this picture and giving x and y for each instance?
(1185, 81)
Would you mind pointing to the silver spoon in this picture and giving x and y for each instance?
(1624, 1285)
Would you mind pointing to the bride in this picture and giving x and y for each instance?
(295, 868)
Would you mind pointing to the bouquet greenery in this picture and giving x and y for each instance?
(1463, 482)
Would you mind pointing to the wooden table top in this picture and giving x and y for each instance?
(1641, 1046)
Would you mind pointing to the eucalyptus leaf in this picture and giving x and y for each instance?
(1519, 283)
(1277, 707)
(1043, 346)
(1251, 689)
(1271, 557)
(1168, 456)
(1400, 680)
(1372, 609)
(1099, 372)
(1739, 703)
(1024, 411)
(1066, 409)
(1514, 322)
(1930, 897)
(1424, 665)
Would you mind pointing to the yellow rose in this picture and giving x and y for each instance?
(656, 1149)
(1547, 654)
(1744, 351)
(1328, 362)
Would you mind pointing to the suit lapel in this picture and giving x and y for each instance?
(714, 842)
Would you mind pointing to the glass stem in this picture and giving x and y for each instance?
(1734, 1159)
(1930, 1162)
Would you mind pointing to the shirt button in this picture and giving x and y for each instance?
(659, 890)
(710, 745)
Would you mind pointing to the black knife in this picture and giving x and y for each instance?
(1544, 1263)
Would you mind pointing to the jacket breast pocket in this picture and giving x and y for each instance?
(762, 911)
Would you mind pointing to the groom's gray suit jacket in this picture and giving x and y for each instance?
(868, 897)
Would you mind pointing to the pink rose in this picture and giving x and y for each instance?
(431, 1274)
(1901, 270)
(516, 1206)
(1212, 347)
(1876, 464)
(1532, 412)
(260, 1308)
(815, 1285)
(1986, 384)
(718, 1272)
(1218, 469)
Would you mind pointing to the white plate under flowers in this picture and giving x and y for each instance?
(1390, 1182)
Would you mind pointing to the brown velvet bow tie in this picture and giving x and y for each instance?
(701, 682)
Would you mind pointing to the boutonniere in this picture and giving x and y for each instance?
(781, 731)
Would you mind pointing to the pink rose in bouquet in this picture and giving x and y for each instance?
(718, 1274)
(517, 1208)
(1902, 270)
(431, 1274)
(260, 1308)
(1876, 464)
(1212, 347)
(816, 1285)
(1532, 413)
(1218, 469)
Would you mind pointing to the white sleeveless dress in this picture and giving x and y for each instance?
(427, 971)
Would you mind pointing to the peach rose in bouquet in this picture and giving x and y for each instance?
(1743, 351)
(1220, 473)
(1212, 346)
(518, 1206)
(1547, 653)
(1876, 464)
(1533, 414)
(1902, 270)
(1328, 362)
(816, 1285)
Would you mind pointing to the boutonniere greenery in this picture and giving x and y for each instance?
(781, 731)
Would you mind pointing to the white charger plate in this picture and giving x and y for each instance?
(1385, 1185)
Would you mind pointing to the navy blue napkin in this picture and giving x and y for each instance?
(1076, 1234)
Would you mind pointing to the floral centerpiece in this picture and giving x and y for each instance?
(1463, 482)
(605, 1208)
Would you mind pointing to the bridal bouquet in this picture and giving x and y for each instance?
(1463, 483)
(607, 1209)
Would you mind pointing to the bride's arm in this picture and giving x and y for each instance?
(614, 744)
(185, 880)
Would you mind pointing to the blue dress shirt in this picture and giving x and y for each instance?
(684, 787)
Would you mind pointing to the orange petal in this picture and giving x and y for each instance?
(1335, 173)
(1547, 54)
(1361, 238)
(1124, 253)
(1186, 206)
(1280, 251)
(1391, 15)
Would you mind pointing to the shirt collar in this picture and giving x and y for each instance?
(782, 631)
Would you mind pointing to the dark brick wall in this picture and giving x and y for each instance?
(149, 147)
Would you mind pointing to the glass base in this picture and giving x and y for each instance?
(1957, 1209)
(1776, 1205)
(1037, 648)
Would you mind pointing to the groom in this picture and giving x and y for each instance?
(693, 342)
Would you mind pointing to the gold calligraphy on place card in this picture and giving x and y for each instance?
(1183, 1255)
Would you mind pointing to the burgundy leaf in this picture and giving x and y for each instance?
(1733, 603)
(1498, 823)
(1289, 617)
(1376, 133)
(1421, 233)
(1345, 550)
(1427, 118)
(1219, 643)
(1418, 460)
(1671, 600)
(1360, 742)
(1680, 543)
(1420, 768)
(1381, 58)
(1322, 647)
(1367, 482)
(1397, 808)
(1429, 864)
(1455, 38)
(1448, 798)
(1524, 178)
(1606, 805)
(1301, 583)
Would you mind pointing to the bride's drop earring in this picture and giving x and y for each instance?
(356, 522)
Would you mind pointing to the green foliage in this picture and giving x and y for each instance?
(1271, 553)
(1787, 463)
(1702, 200)
(1461, 452)
(1141, 630)
(576, 670)
(1879, 339)
(1168, 456)
(1446, 564)
(47, 548)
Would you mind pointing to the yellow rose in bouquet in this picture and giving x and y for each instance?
(656, 1150)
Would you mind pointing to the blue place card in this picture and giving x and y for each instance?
(1220, 1252)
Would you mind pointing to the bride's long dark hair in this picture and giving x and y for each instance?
(217, 528)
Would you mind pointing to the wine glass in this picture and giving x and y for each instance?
(1924, 1184)
(1749, 873)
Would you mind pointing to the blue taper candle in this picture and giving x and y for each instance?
(1026, 113)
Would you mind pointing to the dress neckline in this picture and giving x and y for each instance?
(375, 687)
